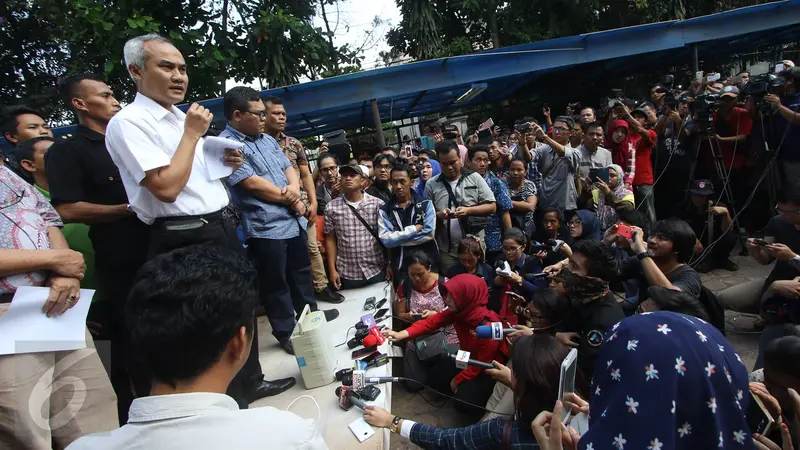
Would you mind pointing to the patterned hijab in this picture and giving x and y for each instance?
(667, 381)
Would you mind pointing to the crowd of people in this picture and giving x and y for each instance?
(563, 230)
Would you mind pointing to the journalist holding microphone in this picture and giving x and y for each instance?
(466, 297)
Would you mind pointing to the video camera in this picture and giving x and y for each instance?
(761, 85)
(615, 99)
(449, 131)
(703, 107)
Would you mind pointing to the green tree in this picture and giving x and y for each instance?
(272, 42)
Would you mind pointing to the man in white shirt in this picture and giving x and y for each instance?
(159, 152)
(192, 315)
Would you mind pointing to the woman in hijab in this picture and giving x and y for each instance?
(430, 168)
(584, 225)
(611, 198)
(663, 381)
(466, 297)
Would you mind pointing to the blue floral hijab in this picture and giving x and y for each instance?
(667, 381)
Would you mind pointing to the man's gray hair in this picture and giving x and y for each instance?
(134, 53)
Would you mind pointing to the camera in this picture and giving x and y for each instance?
(761, 85)
(523, 127)
(614, 100)
(704, 107)
(449, 131)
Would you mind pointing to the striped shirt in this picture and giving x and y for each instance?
(482, 435)
(359, 255)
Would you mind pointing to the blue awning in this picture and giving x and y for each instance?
(425, 87)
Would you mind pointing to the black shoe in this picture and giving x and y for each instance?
(729, 265)
(287, 346)
(327, 295)
(270, 388)
(331, 314)
(706, 266)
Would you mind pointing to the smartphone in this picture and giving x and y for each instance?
(381, 312)
(625, 231)
(566, 382)
(714, 77)
(593, 175)
(364, 352)
(760, 242)
(361, 429)
(779, 68)
(416, 316)
(369, 304)
(536, 248)
(758, 418)
(603, 174)
(380, 303)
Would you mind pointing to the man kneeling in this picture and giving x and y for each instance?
(191, 317)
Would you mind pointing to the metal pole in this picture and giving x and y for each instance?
(376, 118)
(695, 60)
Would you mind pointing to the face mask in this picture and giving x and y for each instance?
(581, 289)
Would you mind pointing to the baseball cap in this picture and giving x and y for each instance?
(354, 168)
(702, 187)
(729, 91)
(641, 111)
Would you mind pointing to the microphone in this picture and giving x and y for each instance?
(495, 331)
(348, 398)
(356, 340)
(378, 380)
(463, 360)
(369, 341)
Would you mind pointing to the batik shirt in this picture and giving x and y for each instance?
(493, 236)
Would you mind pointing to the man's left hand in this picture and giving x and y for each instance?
(637, 244)
(780, 252)
(233, 158)
(718, 211)
(461, 211)
(64, 294)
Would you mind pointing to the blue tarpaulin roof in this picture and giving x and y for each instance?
(426, 87)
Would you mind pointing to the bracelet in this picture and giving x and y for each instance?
(395, 422)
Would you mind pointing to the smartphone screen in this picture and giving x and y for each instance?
(566, 383)
(416, 316)
(381, 312)
(758, 418)
(593, 175)
(364, 352)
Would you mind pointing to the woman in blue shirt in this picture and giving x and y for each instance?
(536, 362)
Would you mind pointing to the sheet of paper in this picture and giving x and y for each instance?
(24, 328)
(214, 154)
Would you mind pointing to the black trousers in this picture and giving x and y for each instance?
(115, 280)
(284, 277)
(355, 284)
(219, 231)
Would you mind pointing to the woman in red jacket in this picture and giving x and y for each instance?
(466, 297)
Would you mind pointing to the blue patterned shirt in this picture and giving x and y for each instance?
(484, 435)
(261, 219)
(493, 237)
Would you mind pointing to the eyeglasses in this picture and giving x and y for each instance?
(560, 129)
(260, 114)
(574, 223)
(511, 249)
(786, 211)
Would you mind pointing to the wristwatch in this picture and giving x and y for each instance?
(795, 262)
(395, 421)
(643, 255)
(128, 208)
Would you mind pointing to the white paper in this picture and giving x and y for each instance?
(214, 156)
(24, 328)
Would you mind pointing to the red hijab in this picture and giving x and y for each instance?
(471, 297)
(610, 144)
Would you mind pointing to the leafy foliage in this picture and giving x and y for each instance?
(246, 40)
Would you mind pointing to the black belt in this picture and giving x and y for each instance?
(191, 222)
(6, 298)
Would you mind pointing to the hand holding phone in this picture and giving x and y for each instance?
(624, 231)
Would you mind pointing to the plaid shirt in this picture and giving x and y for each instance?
(482, 435)
(533, 171)
(359, 255)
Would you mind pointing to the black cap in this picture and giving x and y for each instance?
(702, 187)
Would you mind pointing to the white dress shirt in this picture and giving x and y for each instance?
(144, 136)
(199, 421)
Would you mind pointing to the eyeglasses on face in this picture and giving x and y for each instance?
(560, 129)
(575, 223)
(786, 211)
(260, 114)
(511, 249)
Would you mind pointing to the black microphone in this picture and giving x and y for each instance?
(473, 362)
(348, 398)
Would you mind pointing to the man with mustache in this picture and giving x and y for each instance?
(85, 187)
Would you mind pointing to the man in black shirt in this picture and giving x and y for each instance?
(711, 223)
(85, 187)
(661, 261)
(782, 234)
(584, 280)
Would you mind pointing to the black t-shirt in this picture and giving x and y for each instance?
(684, 278)
(80, 169)
(591, 321)
(382, 193)
(784, 233)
